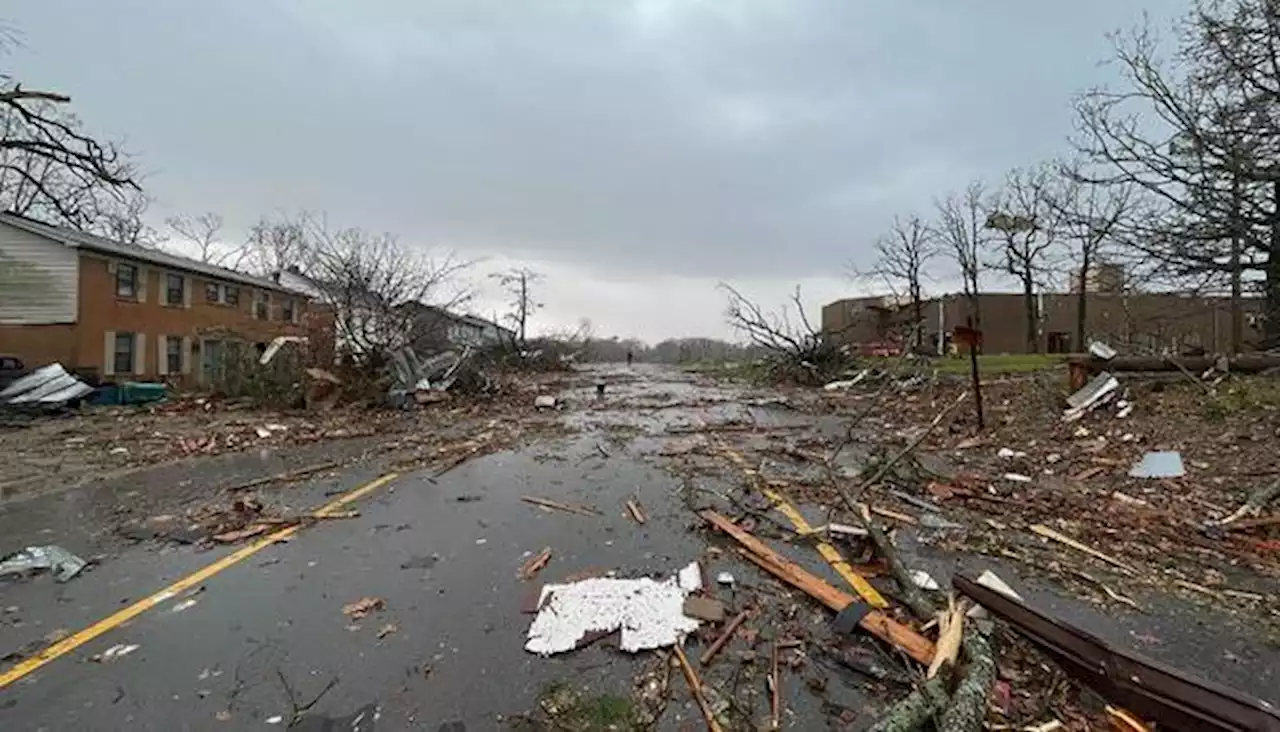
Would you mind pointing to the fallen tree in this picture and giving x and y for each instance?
(795, 352)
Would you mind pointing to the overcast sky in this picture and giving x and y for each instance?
(635, 151)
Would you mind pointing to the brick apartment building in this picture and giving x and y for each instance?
(124, 312)
(1152, 321)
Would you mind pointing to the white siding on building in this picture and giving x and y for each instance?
(39, 279)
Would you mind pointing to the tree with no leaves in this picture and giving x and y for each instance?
(1090, 218)
(50, 168)
(518, 283)
(203, 236)
(963, 237)
(1025, 227)
(1198, 134)
(901, 260)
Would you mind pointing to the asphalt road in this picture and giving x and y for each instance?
(263, 640)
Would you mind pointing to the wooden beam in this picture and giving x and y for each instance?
(875, 622)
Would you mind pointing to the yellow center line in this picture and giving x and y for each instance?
(121, 617)
(784, 506)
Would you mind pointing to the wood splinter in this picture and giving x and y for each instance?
(709, 655)
(637, 511)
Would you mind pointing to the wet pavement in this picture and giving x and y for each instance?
(265, 641)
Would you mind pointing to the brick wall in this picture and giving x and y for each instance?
(40, 345)
(193, 318)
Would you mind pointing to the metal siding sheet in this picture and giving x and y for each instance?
(39, 279)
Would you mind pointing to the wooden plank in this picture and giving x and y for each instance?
(637, 513)
(875, 622)
(695, 686)
(568, 507)
(709, 655)
(1049, 533)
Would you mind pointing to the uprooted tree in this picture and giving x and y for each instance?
(795, 351)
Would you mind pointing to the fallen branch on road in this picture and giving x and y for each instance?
(567, 507)
(284, 477)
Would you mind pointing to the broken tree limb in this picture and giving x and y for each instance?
(1190, 376)
(695, 686)
(915, 709)
(884, 467)
(283, 477)
(709, 655)
(915, 599)
(535, 564)
(875, 622)
(1048, 533)
(950, 633)
(636, 511)
(968, 708)
(567, 507)
(1257, 501)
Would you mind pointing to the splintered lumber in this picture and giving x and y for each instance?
(1257, 501)
(283, 477)
(775, 707)
(709, 655)
(636, 511)
(535, 564)
(1049, 533)
(875, 622)
(968, 707)
(567, 507)
(695, 686)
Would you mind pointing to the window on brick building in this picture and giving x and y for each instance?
(231, 295)
(124, 352)
(126, 280)
(288, 311)
(174, 289)
(212, 292)
(261, 306)
(173, 354)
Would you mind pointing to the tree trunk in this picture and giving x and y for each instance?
(1033, 319)
(1237, 312)
(1271, 314)
(1082, 298)
(975, 308)
(917, 305)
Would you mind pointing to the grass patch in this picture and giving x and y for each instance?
(566, 710)
(1002, 363)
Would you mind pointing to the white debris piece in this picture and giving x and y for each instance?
(690, 577)
(544, 401)
(846, 530)
(725, 578)
(1017, 477)
(992, 581)
(1097, 392)
(846, 383)
(1009, 453)
(1102, 350)
(924, 580)
(649, 613)
(119, 650)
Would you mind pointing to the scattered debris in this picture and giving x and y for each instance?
(547, 503)
(1017, 477)
(1049, 533)
(61, 562)
(362, 607)
(46, 386)
(875, 622)
(1101, 350)
(709, 655)
(649, 614)
(637, 511)
(704, 608)
(725, 578)
(1167, 696)
(1094, 394)
(387, 630)
(924, 580)
(695, 688)
(847, 383)
(535, 564)
(115, 653)
(1159, 464)
(545, 401)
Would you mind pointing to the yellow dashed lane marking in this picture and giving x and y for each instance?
(828, 552)
(73, 642)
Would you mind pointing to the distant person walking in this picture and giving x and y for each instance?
(629, 358)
